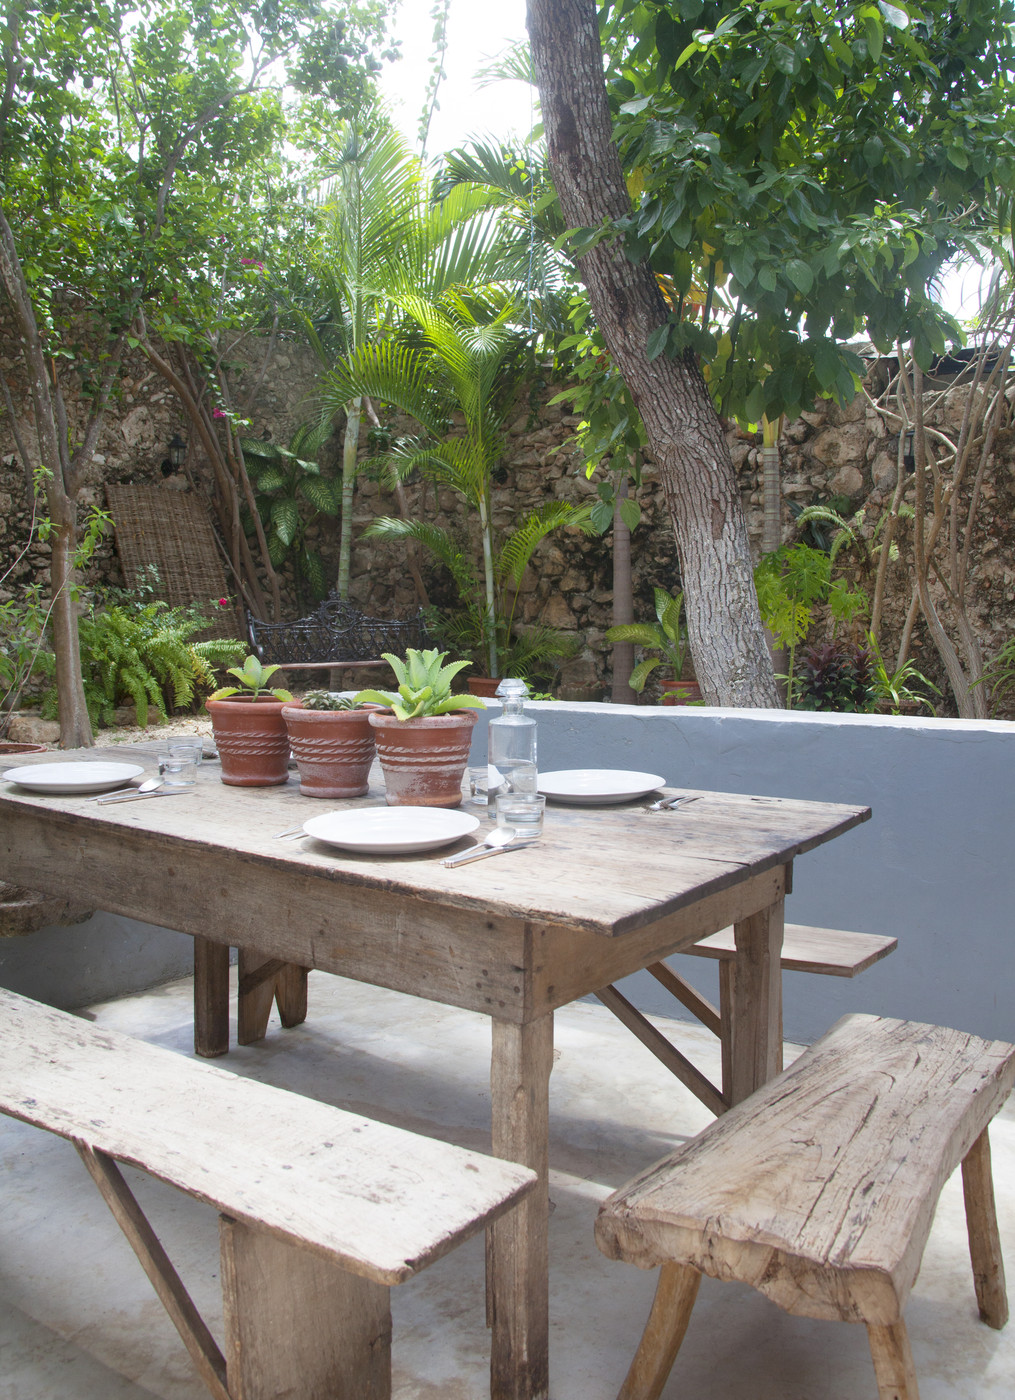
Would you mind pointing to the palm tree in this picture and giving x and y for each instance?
(465, 359)
(384, 239)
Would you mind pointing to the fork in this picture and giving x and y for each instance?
(670, 804)
(289, 835)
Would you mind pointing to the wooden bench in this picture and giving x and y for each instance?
(320, 1211)
(830, 952)
(819, 1190)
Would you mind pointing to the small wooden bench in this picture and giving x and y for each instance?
(320, 1211)
(830, 952)
(819, 1190)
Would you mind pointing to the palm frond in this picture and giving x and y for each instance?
(518, 548)
(435, 538)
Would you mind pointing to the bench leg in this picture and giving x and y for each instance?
(517, 1257)
(664, 1331)
(211, 998)
(893, 1361)
(263, 980)
(984, 1244)
(296, 1324)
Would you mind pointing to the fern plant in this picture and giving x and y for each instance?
(144, 654)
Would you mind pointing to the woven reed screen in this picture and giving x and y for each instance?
(172, 530)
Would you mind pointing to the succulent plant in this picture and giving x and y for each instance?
(253, 678)
(424, 686)
(329, 700)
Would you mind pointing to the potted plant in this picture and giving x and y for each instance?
(667, 636)
(332, 743)
(423, 743)
(250, 733)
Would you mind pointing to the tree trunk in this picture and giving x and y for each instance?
(75, 726)
(623, 603)
(684, 433)
(350, 447)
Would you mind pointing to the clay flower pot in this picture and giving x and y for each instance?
(485, 686)
(680, 692)
(9, 746)
(424, 760)
(333, 750)
(252, 741)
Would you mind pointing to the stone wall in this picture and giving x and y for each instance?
(846, 453)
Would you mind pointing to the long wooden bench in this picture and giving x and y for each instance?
(320, 1211)
(819, 1190)
(829, 952)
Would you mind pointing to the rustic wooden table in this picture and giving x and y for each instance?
(607, 891)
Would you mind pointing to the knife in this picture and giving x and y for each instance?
(141, 796)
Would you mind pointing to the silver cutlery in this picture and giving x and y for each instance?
(502, 838)
(670, 804)
(149, 785)
(290, 834)
(143, 796)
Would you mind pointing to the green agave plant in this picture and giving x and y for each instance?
(424, 686)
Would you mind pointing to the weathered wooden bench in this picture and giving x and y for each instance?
(320, 1211)
(819, 1190)
(337, 636)
(827, 951)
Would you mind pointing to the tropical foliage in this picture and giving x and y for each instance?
(457, 374)
(666, 636)
(143, 653)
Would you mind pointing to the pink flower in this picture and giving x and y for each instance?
(223, 602)
(218, 413)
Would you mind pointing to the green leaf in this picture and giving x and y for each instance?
(800, 275)
(873, 150)
(630, 512)
(657, 341)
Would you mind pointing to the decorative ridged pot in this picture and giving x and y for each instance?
(252, 741)
(333, 750)
(424, 760)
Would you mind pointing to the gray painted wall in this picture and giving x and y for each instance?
(934, 866)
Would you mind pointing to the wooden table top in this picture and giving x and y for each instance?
(603, 870)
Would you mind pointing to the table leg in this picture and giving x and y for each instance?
(756, 1019)
(211, 998)
(517, 1246)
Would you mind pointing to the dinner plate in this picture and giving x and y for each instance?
(594, 787)
(73, 777)
(392, 831)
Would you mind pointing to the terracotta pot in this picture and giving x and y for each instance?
(251, 739)
(424, 760)
(680, 692)
(8, 746)
(333, 750)
(485, 686)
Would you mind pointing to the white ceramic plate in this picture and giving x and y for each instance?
(73, 777)
(595, 787)
(392, 831)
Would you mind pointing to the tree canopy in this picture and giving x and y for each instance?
(801, 171)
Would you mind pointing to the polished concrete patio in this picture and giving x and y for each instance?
(78, 1320)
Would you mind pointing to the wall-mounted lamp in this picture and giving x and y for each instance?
(177, 451)
(908, 454)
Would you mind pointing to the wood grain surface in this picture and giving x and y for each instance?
(606, 871)
(829, 1174)
(381, 1201)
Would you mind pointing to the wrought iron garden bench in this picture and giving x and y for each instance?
(336, 636)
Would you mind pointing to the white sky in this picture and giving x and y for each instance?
(479, 30)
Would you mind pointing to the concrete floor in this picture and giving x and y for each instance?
(78, 1320)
